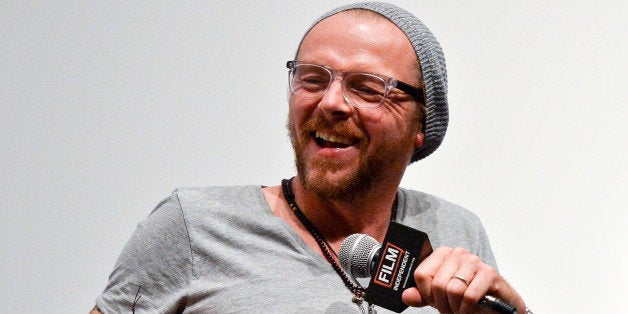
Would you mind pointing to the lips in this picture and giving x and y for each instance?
(325, 139)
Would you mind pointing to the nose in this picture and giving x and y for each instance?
(333, 104)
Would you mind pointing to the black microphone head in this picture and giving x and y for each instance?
(356, 254)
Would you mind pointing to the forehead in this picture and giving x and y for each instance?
(360, 40)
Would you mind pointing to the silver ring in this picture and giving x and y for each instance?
(466, 282)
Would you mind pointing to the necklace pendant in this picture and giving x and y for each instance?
(357, 299)
(372, 309)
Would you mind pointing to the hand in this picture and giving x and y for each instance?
(438, 286)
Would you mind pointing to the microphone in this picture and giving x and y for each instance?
(391, 266)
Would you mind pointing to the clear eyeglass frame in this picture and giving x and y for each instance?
(371, 92)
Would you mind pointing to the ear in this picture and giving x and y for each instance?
(418, 140)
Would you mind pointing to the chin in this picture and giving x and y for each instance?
(333, 183)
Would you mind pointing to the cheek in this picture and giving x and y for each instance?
(390, 127)
(382, 121)
(299, 110)
(405, 119)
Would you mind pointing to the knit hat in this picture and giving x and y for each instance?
(433, 71)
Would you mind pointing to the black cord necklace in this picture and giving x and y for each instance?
(356, 289)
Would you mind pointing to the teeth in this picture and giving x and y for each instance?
(333, 138)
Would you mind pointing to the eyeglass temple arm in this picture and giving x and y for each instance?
(415, 92)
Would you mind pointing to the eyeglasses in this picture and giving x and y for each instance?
(361, 90)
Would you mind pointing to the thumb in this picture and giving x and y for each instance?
(412, 297)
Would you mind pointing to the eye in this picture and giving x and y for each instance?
(367, 91)
(366, 87)
(311, 78)
(313, 82)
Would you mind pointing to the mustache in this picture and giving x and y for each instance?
(344, 127)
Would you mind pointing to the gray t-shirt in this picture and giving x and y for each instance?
(221, 250)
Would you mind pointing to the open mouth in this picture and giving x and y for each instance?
(327, 140)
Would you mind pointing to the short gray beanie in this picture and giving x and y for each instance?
(433, 70)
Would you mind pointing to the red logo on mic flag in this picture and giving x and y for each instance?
(388, 265)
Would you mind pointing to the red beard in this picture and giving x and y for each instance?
(373, 166)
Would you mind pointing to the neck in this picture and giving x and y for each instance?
(337, 219)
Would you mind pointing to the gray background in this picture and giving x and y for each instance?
(106, 107)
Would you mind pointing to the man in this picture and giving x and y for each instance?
(368, 97)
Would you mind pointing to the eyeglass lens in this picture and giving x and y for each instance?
(360, 89)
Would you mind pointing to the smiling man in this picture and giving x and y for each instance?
(353, 132)
(367, 98)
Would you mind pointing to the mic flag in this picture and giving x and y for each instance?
(402, 251)
(390, 265)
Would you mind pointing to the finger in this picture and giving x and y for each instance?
(461, 280)
(443, 278)
(484, 281)
(412, 297)
(426, 270)
(455, 291)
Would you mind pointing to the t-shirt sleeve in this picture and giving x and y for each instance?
(446, 224)
(155, 266)
(463, 228)
(483, 246)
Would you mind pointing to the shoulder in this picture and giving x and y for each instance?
(445, 223)
(216, 195)
(184, 200)
(187, 206)
(416, 203)
(214, 204)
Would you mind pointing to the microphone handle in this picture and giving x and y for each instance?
(497, 305)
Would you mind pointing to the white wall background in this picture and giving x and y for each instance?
(107, 106)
